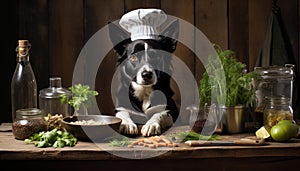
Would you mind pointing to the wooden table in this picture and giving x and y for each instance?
(100, 156)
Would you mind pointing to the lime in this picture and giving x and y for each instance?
(262, 133)
(295, 129)
(285, 122)
(284, 131)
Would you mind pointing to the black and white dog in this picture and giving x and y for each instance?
(144, 96)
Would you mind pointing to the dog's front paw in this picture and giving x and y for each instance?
(128, 128)
(157, 123)
(151, 128)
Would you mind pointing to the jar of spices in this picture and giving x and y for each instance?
(277, 109)
(27, 122)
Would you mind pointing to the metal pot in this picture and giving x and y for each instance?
(233, 118)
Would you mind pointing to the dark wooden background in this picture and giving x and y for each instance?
(58, 29)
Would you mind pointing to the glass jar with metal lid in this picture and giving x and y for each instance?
(272, 82)
(27, 122)
(277, 109)
(49, 98)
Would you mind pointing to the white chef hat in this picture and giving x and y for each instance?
(143, 23)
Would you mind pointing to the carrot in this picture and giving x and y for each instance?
(130, 146)
(166, 140)
(148, 141)
(161, 144)
(153, 142)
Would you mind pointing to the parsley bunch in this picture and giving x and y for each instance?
(81, 94)
(54, 138)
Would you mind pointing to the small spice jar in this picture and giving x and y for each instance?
(27, 122)
(277, 109)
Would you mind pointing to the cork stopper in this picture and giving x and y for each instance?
(23, 43)
(23, 47)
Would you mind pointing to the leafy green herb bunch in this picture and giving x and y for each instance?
(230, 82)
(80, 94)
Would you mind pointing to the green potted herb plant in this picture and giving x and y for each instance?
(81, 98)
(228, 87)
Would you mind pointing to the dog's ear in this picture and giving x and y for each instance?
(118, 37)
(168, 37)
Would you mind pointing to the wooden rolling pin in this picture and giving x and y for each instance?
(243, 141)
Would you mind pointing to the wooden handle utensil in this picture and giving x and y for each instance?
(243, 141)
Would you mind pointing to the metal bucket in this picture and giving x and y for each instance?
(233, 118)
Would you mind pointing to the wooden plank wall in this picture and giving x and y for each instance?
(58, 29)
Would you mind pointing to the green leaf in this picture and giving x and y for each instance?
(40, 144)
(118, 141)
(54, 138)
(190, 135)
(27, 141)
(81, 94)
(59, 143)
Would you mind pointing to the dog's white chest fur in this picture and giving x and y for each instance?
(142, 93)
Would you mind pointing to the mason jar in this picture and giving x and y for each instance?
(272, 82)
(277, 109)
(27, 122)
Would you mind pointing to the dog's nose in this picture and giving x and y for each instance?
(147, 75)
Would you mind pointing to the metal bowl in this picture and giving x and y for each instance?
(99, 128)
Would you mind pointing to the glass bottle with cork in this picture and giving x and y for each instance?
(23, 83)
(25, 113)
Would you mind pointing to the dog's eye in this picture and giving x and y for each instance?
(133, 58)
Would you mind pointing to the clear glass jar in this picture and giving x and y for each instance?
(272, 81)
(49, 98)
(27, 122)
(277, 109)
